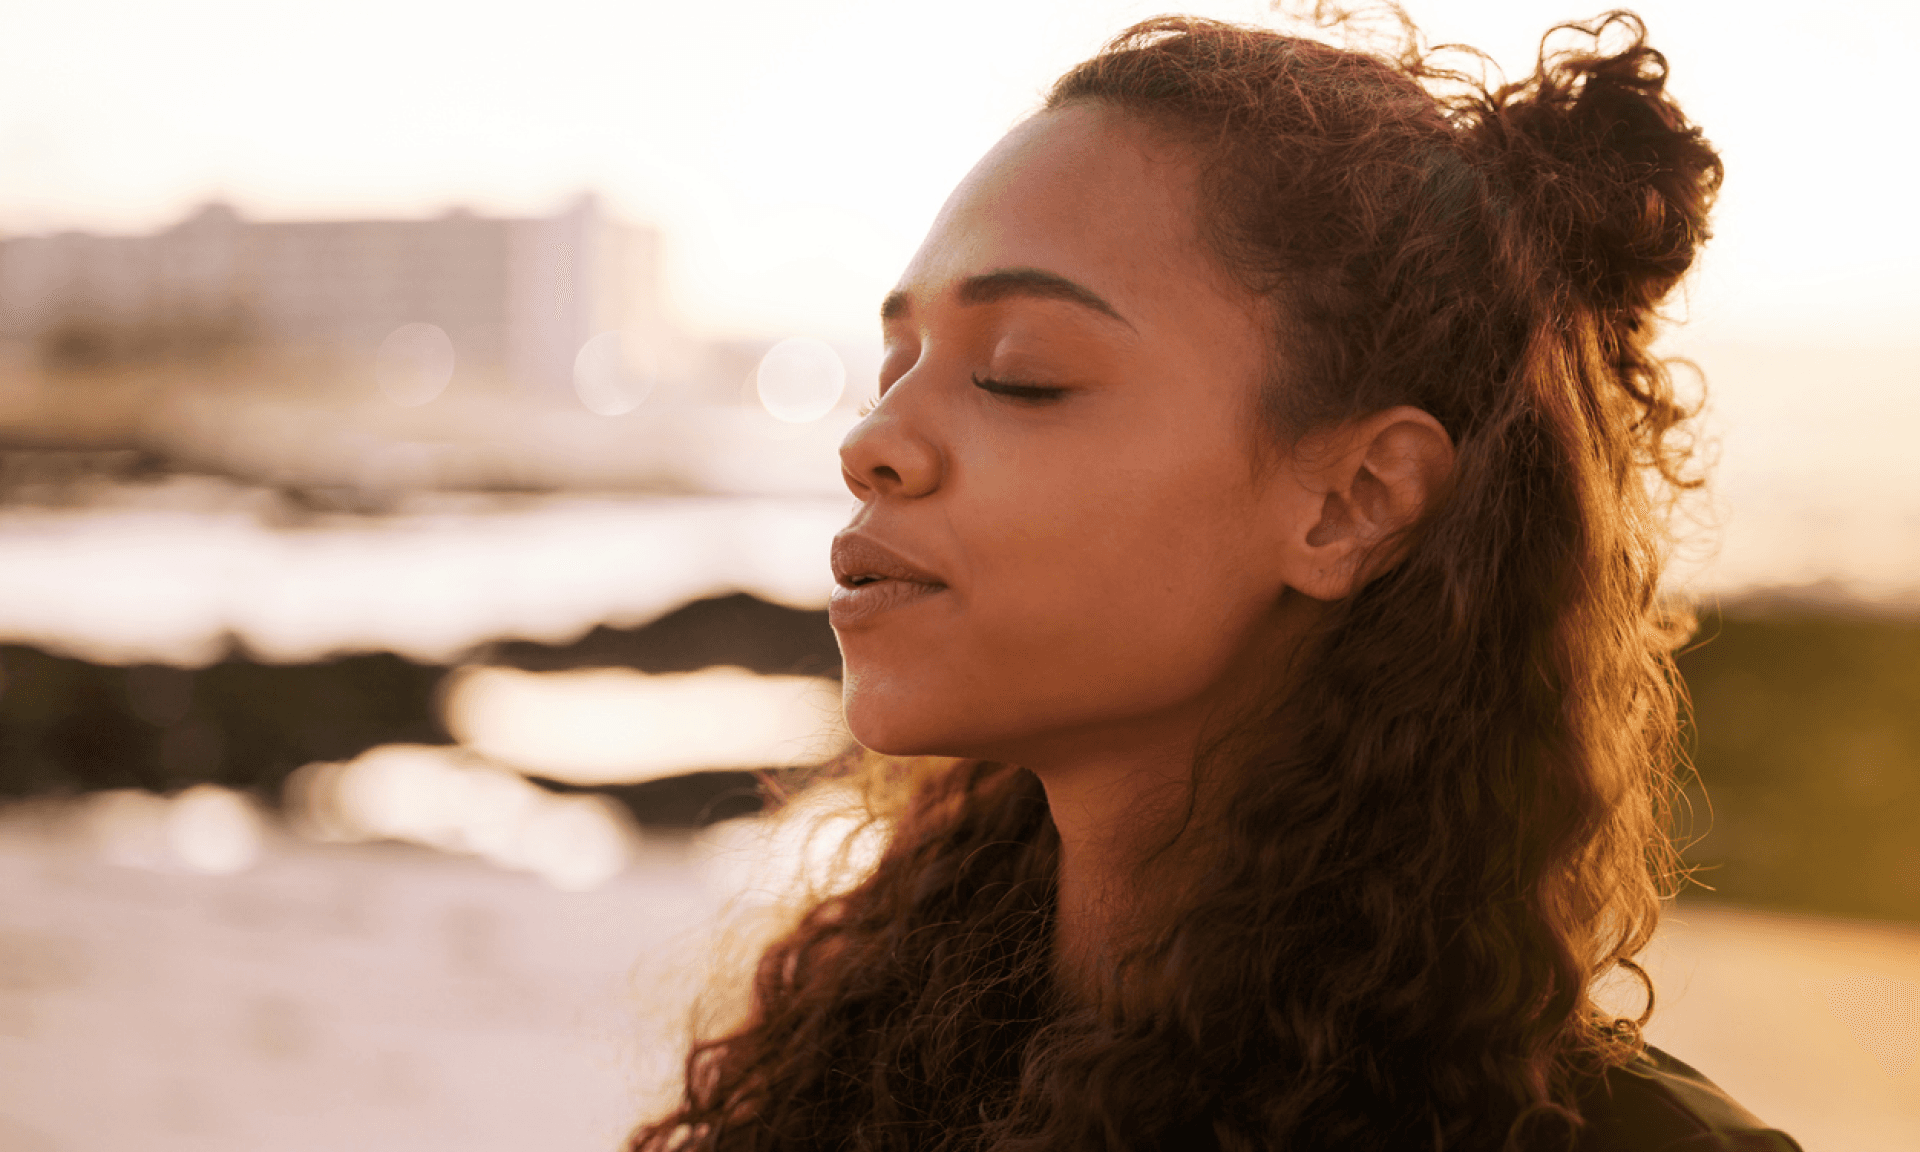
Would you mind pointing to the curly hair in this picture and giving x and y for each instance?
(1438, 839)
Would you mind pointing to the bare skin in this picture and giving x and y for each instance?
(1064, 439)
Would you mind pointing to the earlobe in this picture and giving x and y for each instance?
(1364, 482)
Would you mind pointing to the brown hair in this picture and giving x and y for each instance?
(1466, 821)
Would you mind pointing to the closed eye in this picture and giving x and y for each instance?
(1033, 393)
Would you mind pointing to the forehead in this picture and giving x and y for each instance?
(1085, 192)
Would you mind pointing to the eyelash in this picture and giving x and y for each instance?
(1031, 393)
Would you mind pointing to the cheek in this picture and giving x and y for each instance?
(1074, 621)
(1143, 560)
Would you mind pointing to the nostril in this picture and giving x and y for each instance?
(887, 456)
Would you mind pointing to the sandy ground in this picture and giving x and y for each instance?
(382, 997)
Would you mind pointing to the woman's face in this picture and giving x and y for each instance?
(1064, 441)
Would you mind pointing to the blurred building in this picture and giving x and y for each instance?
(516, 297)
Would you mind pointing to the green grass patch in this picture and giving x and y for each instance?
(1806, 738)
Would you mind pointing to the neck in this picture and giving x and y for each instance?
(1132, 819)
(1123, 844)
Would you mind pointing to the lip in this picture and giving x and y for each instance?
(856, 554)
(851, 606)
(901, 581)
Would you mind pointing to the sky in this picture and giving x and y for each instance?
(794, 154)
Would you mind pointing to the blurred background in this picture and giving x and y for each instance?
(417, 431)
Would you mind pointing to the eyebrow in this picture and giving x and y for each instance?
(1007, 283)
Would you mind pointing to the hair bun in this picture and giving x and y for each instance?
(1603, 164)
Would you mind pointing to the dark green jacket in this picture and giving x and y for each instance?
(1658, 1104)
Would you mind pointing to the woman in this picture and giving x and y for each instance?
(1262, 509)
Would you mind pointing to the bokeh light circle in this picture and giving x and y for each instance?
(213, 830)
(610, 376)
(575, 843)
(800, 380)
(414, 364)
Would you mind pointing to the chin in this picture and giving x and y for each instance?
(887, 735)
(894, 727)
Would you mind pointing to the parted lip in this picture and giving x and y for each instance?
(856, 556)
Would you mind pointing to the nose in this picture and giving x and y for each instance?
(885, 456)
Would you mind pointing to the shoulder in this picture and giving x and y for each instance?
(1655, 1103)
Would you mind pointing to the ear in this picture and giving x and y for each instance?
(1356, 486)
